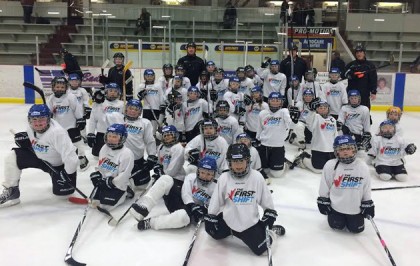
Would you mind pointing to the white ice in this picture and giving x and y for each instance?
(39, 230)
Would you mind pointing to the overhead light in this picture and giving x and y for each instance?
(88, 12)
(1, 10)
(166, 16)
(103, 11)
(105, 14)
(281, 33)
(269, 14)
(358, 27)
(394, 4)
(239, 41)
(159, 27)
(379, 19)
(324, 33)
(112, 17)
(53, 13)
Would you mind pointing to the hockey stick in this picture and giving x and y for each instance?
(104, 65)
(267, 240)
(310, 58)
(35, 88)
(113, 222)
(42, 72)
(390, 188)
(187, 257)
(126, 67)
(69, 255)
(382, 241)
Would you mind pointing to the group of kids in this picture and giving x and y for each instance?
(221, 142)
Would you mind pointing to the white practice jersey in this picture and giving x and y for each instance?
(163, 83)
(273, 128)
(272, 82)
(324, 131)
(234, 100)
(194, 112)
(117, 164)
(346, 185)
(176, 119)
(356, 119)
(295, 94)
(140, 134)
(98, 119)
(257, 81)
(154, 97)
(172, 160)
(246, 85)
(215, 149)
(310, 86)
(194, 191)
(55, 146)
(186, 83)
(82, 96)
(183, 91)
(255, 159)
(304, 111)
(65, 109)
(335, 95)
(389, 152)
(228, 129)
(207, 86)
(220, 87)
(239, 198)
(252, 115)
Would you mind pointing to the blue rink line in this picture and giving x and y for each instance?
(298, 208)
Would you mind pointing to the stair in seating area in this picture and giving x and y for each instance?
(46, 55)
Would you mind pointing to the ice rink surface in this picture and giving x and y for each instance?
(39, 230)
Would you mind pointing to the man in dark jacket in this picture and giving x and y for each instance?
(70, 65)
(362, 76)
(115, 75)
(299, 66)
(192, 64)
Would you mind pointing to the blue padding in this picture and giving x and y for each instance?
(28, 76)
(399, 90)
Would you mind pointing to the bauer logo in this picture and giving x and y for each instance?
(213, 154)
(107, 165)
(334, 93)
(351, 116)
(111, 109)
(348, 181)
(240, 196)
(225, 130)
(272, 121)
(390, 151)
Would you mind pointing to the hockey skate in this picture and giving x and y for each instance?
(138, 211)
(298, 161)
(10, 196)
(84, 163)
(130, 193)
(292, 137)
(144, 225)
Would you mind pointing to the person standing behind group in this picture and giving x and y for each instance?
(28, 6)
(337, 62)
(362, 76)
(192, 64)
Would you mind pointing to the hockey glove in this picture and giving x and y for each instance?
(151, 162)
(211, 224)
(266, 62)
(63, 178)
(81, 123)
(213, 95)
(346, 130)
(366, 137)
(314, 103)
(349, 74)
(339, 125)
(294, 114)
(129, 97)
(86, 115)
(247, 99)
(197, 211)
(158, 171)
(96, 178)
(324, 205)
(142, 94)
(91, 139)
(162, 108)
(203, 94)
(367, 208)
(22, 140)
(410, 149)
(193, 156)
(269, 217)
(183, 138)
(239, 110)
(263, 173)
(256, 143)
(98, 96)
(103, 79)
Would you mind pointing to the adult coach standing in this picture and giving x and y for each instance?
(362, 76)
(299, 65)
(192, 64)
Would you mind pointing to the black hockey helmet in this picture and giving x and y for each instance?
(191, 44)
(359, 48)
(120, 55)
(222, 105)
(238, 151)
(209, 122)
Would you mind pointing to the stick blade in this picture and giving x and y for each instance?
(105, 64)
(77, 200)
(112, 222)
(72, 262)
(128, 65)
